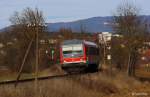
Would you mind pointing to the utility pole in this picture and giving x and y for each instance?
(109, 59)
(37, 55)
(104, 54)
(104, 45)
(37, 58)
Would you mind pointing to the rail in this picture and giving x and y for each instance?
(41, 78)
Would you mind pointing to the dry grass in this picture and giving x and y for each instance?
(53, 88)
(143, 72)
(91, 85)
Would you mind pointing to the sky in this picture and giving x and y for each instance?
(66, 10)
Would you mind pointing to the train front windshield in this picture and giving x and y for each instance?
(72, 51)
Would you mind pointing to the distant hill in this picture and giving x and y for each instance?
(94, 24)
(6, 29)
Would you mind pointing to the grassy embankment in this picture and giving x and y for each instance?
(92, 85)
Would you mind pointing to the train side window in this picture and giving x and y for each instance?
(92, 51)
(97, 51)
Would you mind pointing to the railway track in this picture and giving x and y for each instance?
(31, 79)
(7, 82)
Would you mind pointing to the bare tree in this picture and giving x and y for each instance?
(131, 26)
(27, 21)
(25, 26)
(66, 33)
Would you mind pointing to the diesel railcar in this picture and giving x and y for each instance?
(79, 55)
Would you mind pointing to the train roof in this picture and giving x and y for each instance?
(76, 41)
(90, 43)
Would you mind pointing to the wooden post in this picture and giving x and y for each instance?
(104, 54)
(129, 63)
(37, 60)
(24, 59)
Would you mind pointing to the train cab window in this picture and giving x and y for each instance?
(67, 52)
(73, 51)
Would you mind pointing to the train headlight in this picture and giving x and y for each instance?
(143, 58)
(84, 61)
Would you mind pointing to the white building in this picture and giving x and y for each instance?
(104, 37)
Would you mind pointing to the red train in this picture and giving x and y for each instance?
(79, 55)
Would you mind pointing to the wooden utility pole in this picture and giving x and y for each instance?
(104, 54)
(104, 45)
(37, 59)
(24, 59)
